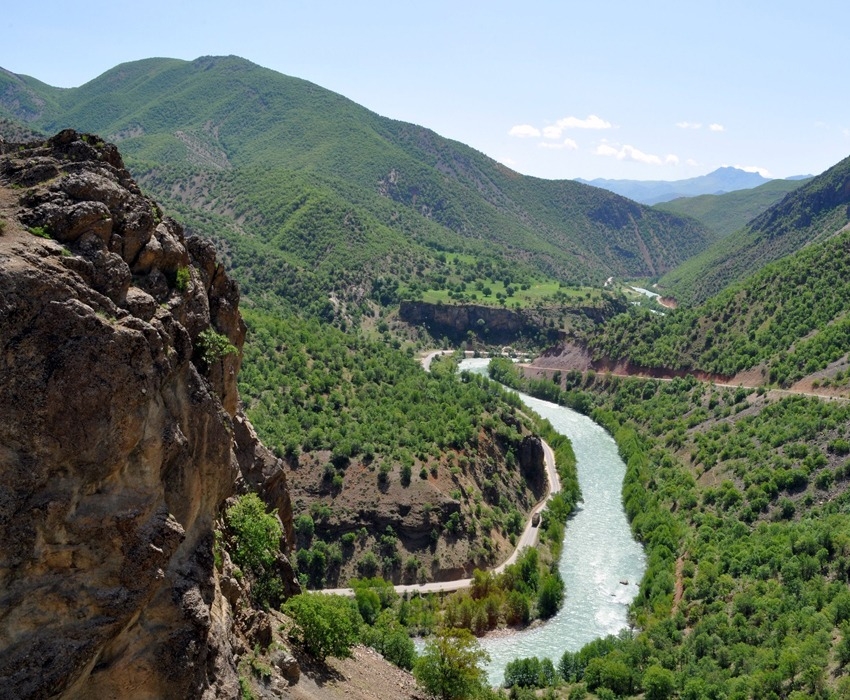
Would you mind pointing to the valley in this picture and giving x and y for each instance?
(208, 418)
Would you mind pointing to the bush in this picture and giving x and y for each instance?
(326, 625)
(304, 526)
(529, 673)
(391, 639)
(213, 346)
(256, 537)
(449, 667)
(551, 595)
(658, 683)
(181, 282)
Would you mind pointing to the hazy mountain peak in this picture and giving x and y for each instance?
(724, 179)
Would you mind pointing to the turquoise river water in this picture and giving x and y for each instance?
(601, 563)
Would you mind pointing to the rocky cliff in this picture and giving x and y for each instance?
(455, 321)
(497, 325)
(120, 436)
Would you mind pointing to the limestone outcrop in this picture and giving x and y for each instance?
(120, 436)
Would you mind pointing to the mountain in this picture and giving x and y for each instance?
(726, 213)
(331, 196)
(813, 212)
(722, 180)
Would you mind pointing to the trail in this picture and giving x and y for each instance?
(772, 393)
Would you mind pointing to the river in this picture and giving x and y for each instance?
(647, 293)
(600, 563)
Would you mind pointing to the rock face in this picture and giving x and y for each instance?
(120, 437)
(455, 320)
(498, 325)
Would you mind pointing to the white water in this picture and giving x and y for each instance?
(646, 292)
(598, 551)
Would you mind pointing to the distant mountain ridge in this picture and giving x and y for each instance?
(727, 179)
(331, 195)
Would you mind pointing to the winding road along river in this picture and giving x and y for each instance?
(601, 564)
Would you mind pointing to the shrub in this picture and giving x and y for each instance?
(551, 595)
(256, 535)
(181, 282)
(213, 346)
(658, 683)
(529, 673)
(304, 526)
(326, 625)
(449, 667)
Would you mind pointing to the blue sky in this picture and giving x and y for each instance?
(637, 90)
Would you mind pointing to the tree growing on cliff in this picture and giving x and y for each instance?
(256, 538)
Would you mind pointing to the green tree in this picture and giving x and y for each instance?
(391, 639)
(551, 595)
(449, 667)
(256, 537)
(658, 683)
(326, 625)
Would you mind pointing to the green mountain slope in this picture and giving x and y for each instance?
(217, 134)
(790, 319)
(811, 213)
(726, 213)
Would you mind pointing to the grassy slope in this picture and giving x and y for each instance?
(811, 213)
(178, 119)
(726, 213)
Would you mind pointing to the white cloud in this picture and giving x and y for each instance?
(567, 144)
(671, 159)
(691, 162)
(524, 131)
(606, 150)
(846, 133)
(627, 153)
(554, 131)
(592, 122)
(510, 162)
(716, 127)
(764, 172)
(689, 125)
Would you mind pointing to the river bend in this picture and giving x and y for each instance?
(601, 563)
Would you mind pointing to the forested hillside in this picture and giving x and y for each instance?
(279, 168)
(789, 320)
(814, 212)
(724, 214)
(393, 471)
(741, 501)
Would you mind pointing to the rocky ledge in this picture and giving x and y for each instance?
(120, 436)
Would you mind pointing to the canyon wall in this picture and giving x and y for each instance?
(120, 436)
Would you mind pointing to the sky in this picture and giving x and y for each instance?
(650, 90)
